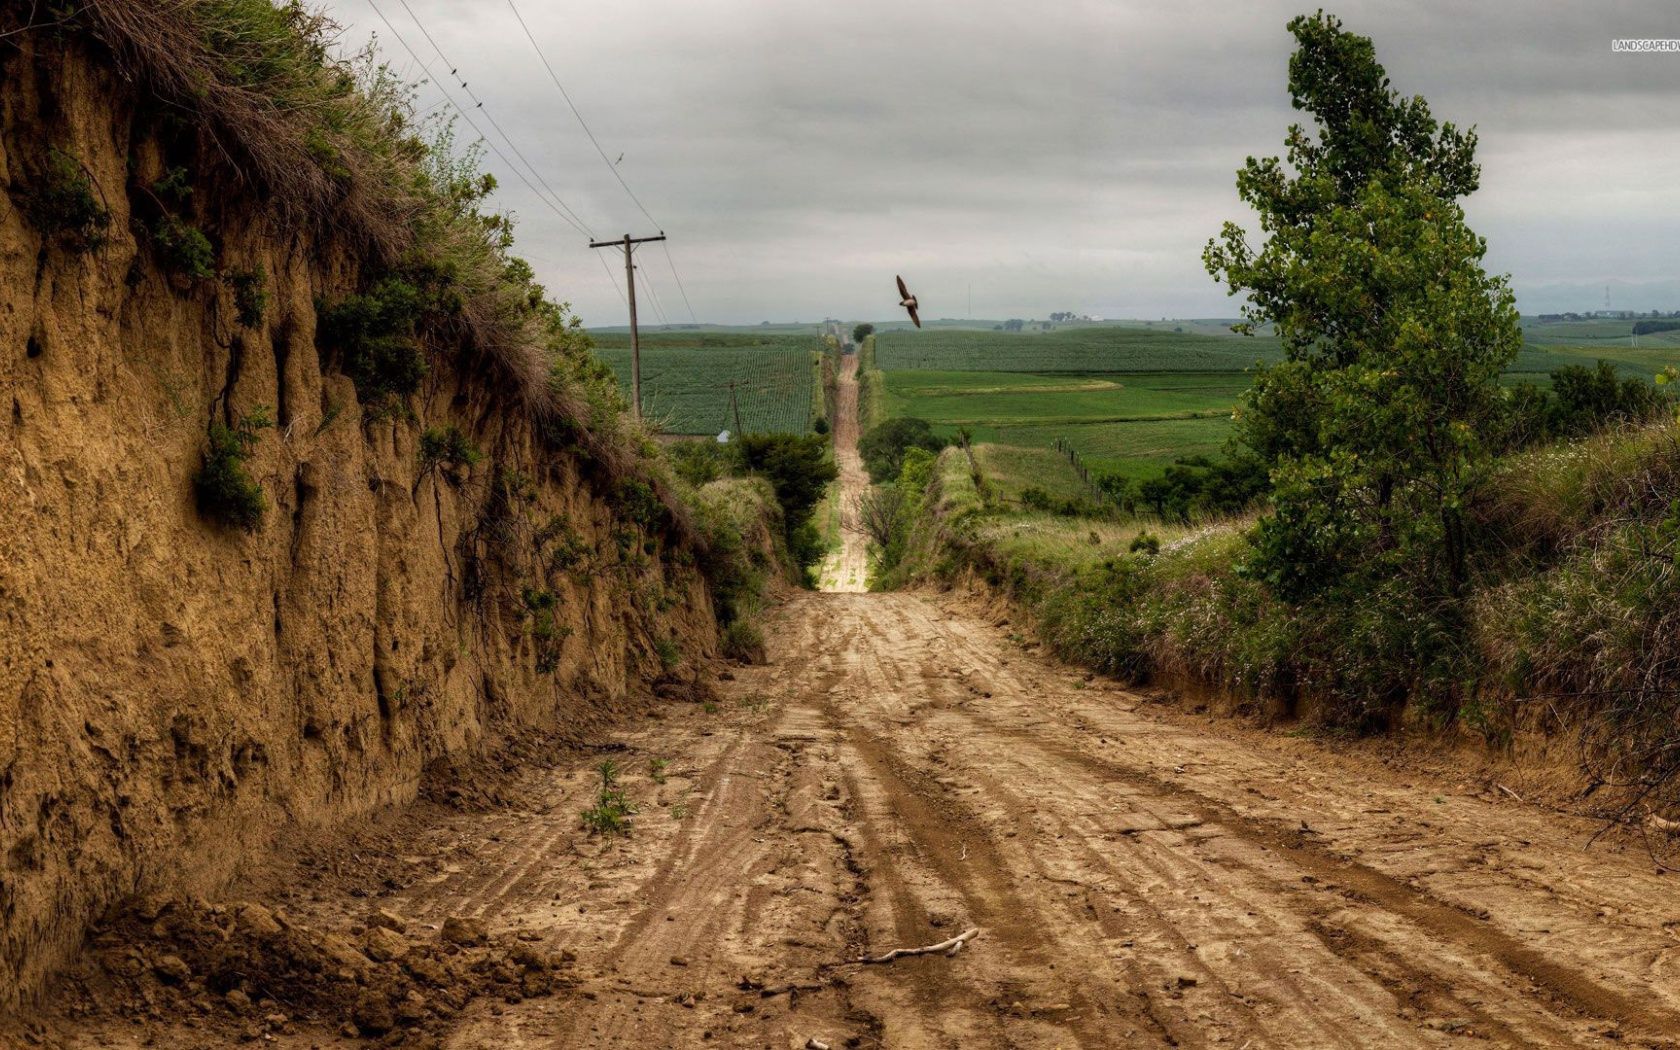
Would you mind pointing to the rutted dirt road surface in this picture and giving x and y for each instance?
(846, 569)
(907, 767)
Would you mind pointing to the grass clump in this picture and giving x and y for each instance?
(183, 248)
(225, 490)
(373, 336)
(669, 653)
(613, 813)
(250, 295)
(63, 202)
(447, 446)
(743, 641)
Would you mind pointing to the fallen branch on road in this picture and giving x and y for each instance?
(949, 947)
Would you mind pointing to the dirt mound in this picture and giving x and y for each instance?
(253, 970)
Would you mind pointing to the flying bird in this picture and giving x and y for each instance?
(908, 301)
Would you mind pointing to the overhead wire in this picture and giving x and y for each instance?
(647, 286)
(581, 122)
(478, 104)
(565, 214)
(608, 161)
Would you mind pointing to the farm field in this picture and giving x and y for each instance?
(1133, 398)
(686, 377)
(1104, 348)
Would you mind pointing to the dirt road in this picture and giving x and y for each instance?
(847, 567)
(904, 770)
(909, 766)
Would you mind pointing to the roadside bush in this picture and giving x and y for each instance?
(743, 641)
(64, 203)
(1194, 487)
(702, 462)
(225, 490)
(882, 447)
(1579, 401)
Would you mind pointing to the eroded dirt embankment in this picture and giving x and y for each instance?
(172, 691)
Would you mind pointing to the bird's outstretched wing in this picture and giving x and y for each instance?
(903, 292)
(914, 318)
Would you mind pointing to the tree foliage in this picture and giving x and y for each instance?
(882, 448)
(1375, 425)
(799, 470)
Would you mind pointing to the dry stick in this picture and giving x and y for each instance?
(950, 948)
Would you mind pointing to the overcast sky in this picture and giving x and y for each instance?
(1039, 156)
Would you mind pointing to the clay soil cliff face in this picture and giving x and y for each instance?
(172, 691)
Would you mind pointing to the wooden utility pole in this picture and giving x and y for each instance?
(629, 245)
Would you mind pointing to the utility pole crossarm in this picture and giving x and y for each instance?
(628, 243)
(619, 242)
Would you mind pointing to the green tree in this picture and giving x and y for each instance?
(862, 332)
(882, 448)
(1374, 426)
(799, 470)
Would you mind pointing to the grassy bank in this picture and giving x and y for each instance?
(1572, 623)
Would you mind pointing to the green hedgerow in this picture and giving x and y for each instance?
(225, 489)
(183, 248)
(64, 203)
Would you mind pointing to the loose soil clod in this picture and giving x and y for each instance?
(251, 968)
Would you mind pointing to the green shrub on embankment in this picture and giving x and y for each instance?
(1572, 621)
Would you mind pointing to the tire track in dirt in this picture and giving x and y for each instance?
(1421, 946)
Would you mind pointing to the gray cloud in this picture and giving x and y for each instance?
(1049, 156)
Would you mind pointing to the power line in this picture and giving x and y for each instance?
(647, 285)
(612, 280)
(576, 224)
(611, 165)
(673, 264)
(478, 103)
(581, 122)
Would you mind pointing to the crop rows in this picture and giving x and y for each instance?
(1088, 350)
(686, 380)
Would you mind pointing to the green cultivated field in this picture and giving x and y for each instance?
(1090, 349)
(686, 376)
(1131, 397)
